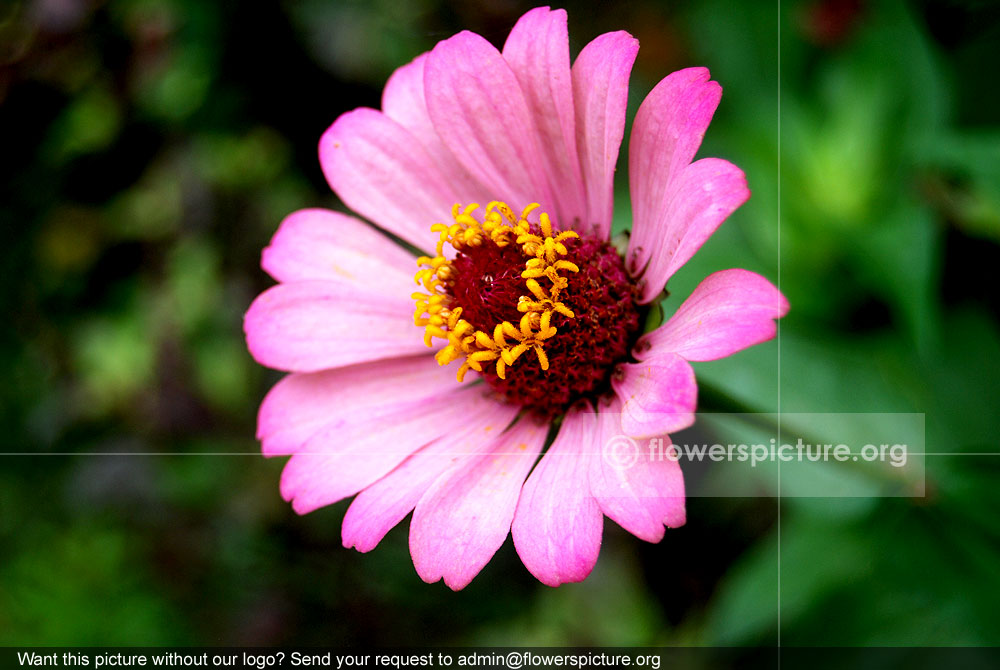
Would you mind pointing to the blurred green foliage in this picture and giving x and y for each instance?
(149, 150)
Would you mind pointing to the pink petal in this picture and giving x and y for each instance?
(403, 101)
(600, 92)
(322, 244)
(465, 516)
(537, 50)
(301, 404)
(658, 395)
(380, 170)
(730, 310)
(634, 486)
(377, 509)
(700, 199)
(666, 134)
(557, 526)
(314, 325)
(479, 111)
(338, 461)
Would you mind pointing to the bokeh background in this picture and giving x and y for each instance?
(149, 149)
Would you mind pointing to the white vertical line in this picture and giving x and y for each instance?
(779, 332)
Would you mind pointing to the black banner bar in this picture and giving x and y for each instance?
(501, 658)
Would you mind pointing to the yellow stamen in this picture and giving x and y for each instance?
(440, 318)
(543, 360)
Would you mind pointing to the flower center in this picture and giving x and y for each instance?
(542, 316)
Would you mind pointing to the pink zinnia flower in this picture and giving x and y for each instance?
(535, 301)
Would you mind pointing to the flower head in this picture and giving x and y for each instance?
(499, 165)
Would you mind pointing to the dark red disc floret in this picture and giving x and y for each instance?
(486, 282)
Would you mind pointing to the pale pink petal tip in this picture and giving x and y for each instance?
(600, 97)
(305, 326)
(730, 310)
(676, 204)
(465, 516)
(380, 170)
(633, 483)
(300, 405)
(340, 460)
(704, 194)
(323, 244)
(479, 110)
(558, 524)
(404, 101)
(377, 509)
(537, 51)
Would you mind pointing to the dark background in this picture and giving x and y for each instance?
(149, 149)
